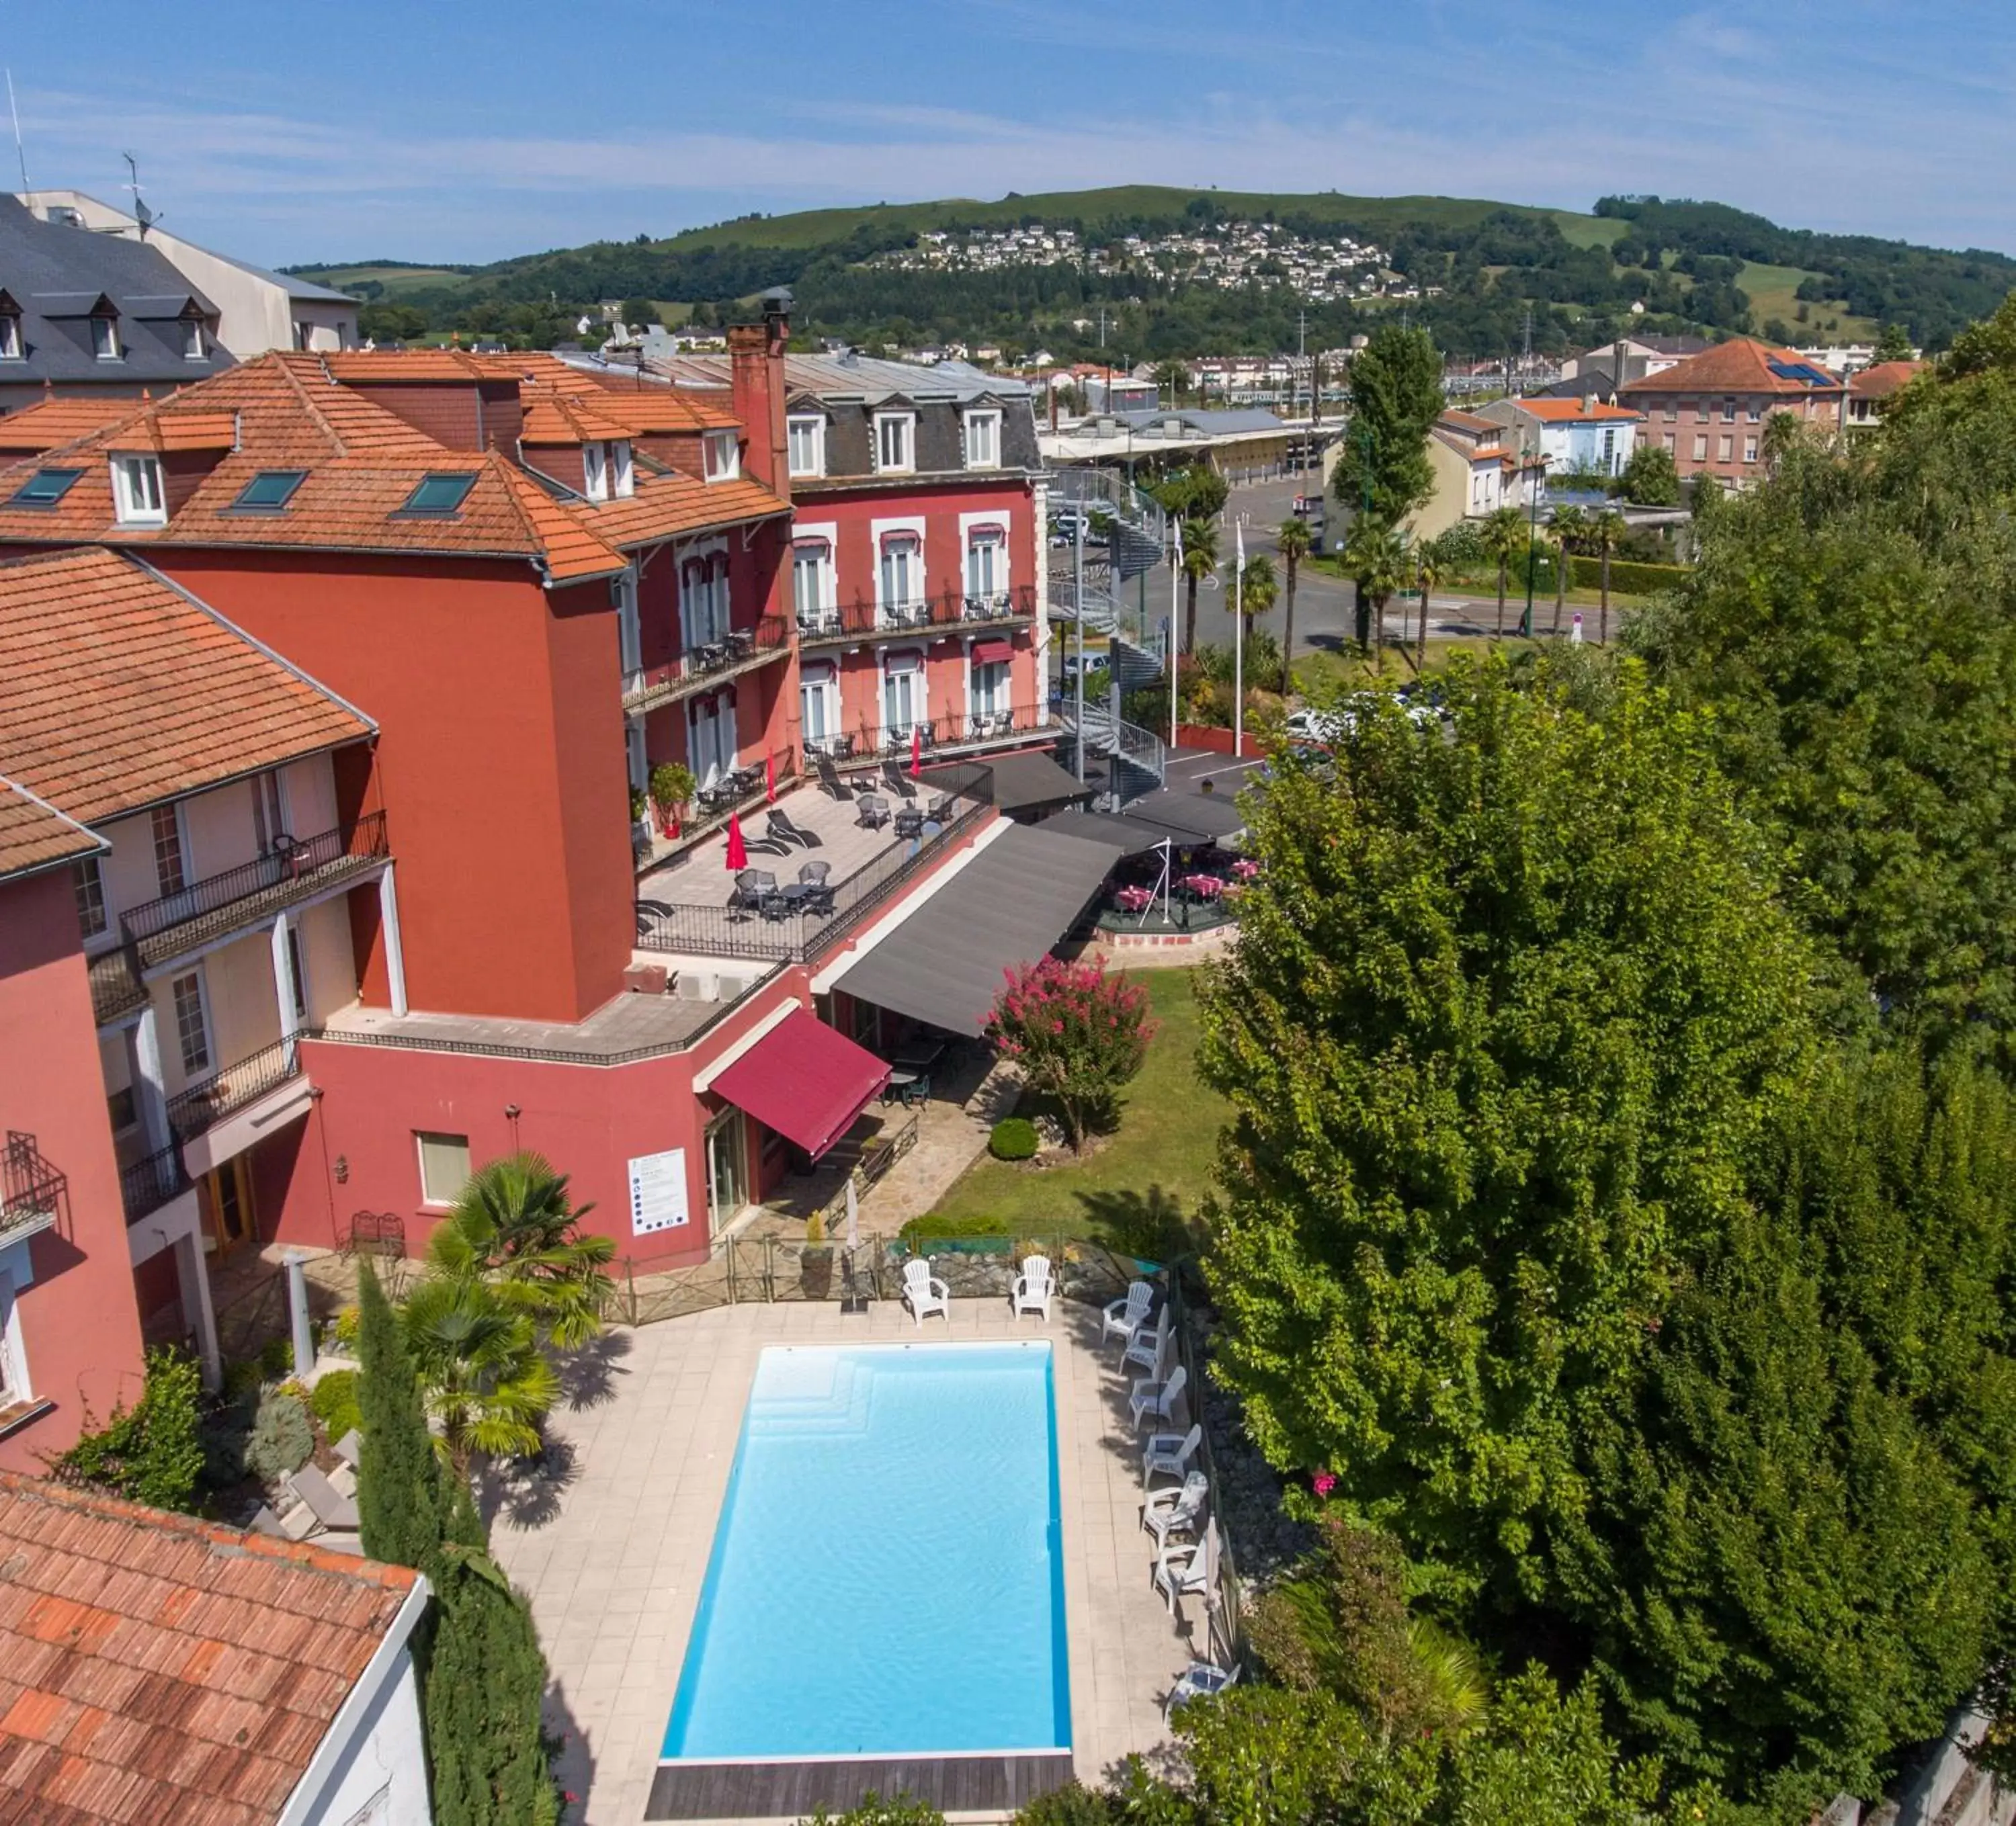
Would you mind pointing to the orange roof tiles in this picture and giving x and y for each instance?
(1742, 365)
(655, 407)
(34, 835)
(153, 1667)
(670, 505)
(1467, 421)
(1554, 411)
(1876, 382)
(558, 417)
(167, 431)
(54, 422)
(117, 691)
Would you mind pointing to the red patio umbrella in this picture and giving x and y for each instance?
(917, 749)
(770, 778)
(738, 851)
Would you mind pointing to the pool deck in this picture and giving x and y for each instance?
(614, 1557)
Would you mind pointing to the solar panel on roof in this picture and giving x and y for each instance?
(45, 488)
(1804, 372)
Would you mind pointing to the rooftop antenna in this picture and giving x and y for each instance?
(142, 215)
(20, 151)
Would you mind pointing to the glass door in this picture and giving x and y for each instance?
(727, 1171)
(902, 701)
(227, 1204)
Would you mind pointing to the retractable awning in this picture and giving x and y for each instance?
(944, 965)
(803, 1080)
(1026, 781)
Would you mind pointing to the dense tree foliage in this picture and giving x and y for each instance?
(152, 1452)
(1396, 393)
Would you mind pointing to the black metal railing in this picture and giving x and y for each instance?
(292, 869)
(34, 1195)
(150, 1183)
(204, 1105)
(870, 744)
(949, 607)
(737, 649)
(777, 933)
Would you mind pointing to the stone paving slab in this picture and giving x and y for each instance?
(612, 1556)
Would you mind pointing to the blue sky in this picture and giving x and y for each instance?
(446, 131)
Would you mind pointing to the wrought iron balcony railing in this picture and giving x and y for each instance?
(34, 1195)
(204, 1105)
(864, 617)
(149, 1183)
(738, 650)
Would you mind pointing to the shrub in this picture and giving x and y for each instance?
(276, 1358)
(1633, 580)
(334, 1402)
(1014, 1138)
(1072, 1805)
(153, 1451)
(343, 1330)
(927, 1228)
(282, 1440)
(899, 1809)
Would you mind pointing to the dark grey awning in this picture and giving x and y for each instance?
(1008, 906)
(1125, 835)
(1195, 817)
(1023, 781)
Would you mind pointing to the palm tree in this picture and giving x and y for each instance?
(1504, 535)
(1425, 569)
(514, 1229)
(1200, 561)
(1570, 523)
(486, 1382)
(1376, 555)
(1291, 540)
(1604, 529)
(1256, 596)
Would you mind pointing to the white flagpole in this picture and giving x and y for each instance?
(1239, 644)
(1176, 584)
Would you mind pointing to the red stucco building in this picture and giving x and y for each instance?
(1709, 413)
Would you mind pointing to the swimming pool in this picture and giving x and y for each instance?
(885, 1575)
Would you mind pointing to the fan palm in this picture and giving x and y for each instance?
(1291, 540)
(1426, 570)
(1200, 561)
(486, 1382)
(1257, 591)
(1504, 534)
(1570, 524)
(515, 1229)
(1605, 528)
(1376, 555)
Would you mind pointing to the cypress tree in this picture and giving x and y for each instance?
(484, 1686)
(399, 1496)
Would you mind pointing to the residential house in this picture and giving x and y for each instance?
(1870, 390)
(256, 310)
(1475, 470)
(1709, 412)
(1567, 436)
(94, 315)
(1633, 356)
(162, 1668)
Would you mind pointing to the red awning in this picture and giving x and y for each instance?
(805, 1080)
(993, 652)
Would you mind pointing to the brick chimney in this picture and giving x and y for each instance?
(756, 361)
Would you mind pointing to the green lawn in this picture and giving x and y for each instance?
(1151, 1172)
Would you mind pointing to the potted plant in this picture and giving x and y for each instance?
(815, 1261)
(672, 787)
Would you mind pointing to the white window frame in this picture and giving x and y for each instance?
(206, 1037)
(879, 533)
(913, 663)
(595, 471)
(987, 420)
(996, 703)
(822, 682)
(105, 343)
(723, 744)
(704, 600)
(132, 476)
(177, 835)
(421, 1137)
(14, 1383)
(622, 470)
(10, 336)
(813, 423)
(906, 464)
(629, 627)
(721, 453)
(88, 878)
(194, 347)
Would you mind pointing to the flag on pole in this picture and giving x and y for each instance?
(1239, 540)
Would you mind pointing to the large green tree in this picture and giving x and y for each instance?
(1396, 394)
(399, 1495)
(1506, 1014)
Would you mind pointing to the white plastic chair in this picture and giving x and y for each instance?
(1123, 1315)
(1034, 1287)
(1201, 1680)
(1175, 1511)
(1169, 1455)
(923, 1293)
(1145, 1345)
(1154, 1400)
(1189, 1572)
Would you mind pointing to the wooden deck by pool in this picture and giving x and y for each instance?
(791, 1790)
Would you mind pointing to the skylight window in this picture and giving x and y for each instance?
(269, 491)
(45, 488)
(439, 495)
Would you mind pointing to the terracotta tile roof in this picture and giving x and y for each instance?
(1574, 411)
(1467, 421)
(159, 1668)
(572, 551)
(555, 417)
(1740, 366)
(34, 835)
(1877, 382)
(671, 505)
(1492, 453)
(55, 422)
(654, 406)
(167, 431)
(117, 691)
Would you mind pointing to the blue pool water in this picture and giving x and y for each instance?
(885, 1575)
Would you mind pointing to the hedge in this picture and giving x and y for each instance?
(1633, 579)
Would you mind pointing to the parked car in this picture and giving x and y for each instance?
(1307, 725)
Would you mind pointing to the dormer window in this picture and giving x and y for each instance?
(805, 434)
(607, 473)
(195, 348)
(10, 336)
(983, 440)
(895, 442)
(105, 338)
(137, 492)
(722, 451)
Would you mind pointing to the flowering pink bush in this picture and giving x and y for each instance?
(1077, 1033)
(1324, 1482)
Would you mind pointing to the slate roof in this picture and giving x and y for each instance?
(117, 691)
(34, 835)
(158, 1668)
(861, 379)
(56, 273)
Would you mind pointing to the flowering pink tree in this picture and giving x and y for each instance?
(1077, 1034)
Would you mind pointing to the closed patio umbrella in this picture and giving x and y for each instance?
(917, 749)
(770, 778)
(738, 851)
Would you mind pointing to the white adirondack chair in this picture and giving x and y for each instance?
(1200, 1681)
(1175, 1511)
(923, 1292)
(1146, 1344)
(1123, 1315)
(1154, 1400)
(1034, 1287)
(1189, 1572)
(1169, 1455)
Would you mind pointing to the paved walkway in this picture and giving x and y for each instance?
(613, 1559)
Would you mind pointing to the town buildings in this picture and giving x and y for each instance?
(1568, 437)
(1709, 412)
(332, 691)
(1871, 389)
(1476, 471)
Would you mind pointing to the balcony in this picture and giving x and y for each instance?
(296, 870)
(152, 1181)
(868, 745)
(201, 1106)
(740, 650)
(864, 619)
(738, 792)
(33, 1195)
